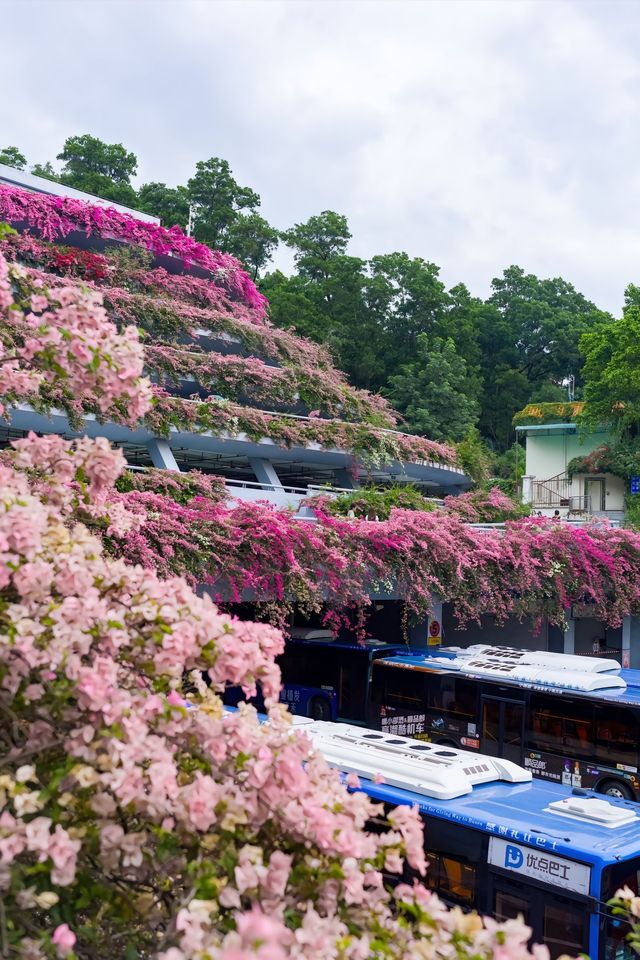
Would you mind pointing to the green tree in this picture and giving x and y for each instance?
(45, 170)
(218, 200)
(102, 169)
(171, 204)
(317, 243)
(407, 299)
(612, 370)
(546, 318)
(328, 290)
(430, 391)
(291, 305)
(252, 240)
(529, 332)
(12, 157)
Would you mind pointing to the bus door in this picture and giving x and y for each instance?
(502, 728)
(557, 921)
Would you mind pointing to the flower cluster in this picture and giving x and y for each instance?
(302, 372)
(251, 549)
(54, 218)
(485, 506)
(368, 444)
(64, 343)
(133, 822)
(68, 261)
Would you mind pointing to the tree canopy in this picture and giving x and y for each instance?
(12, 157)
(430, 391)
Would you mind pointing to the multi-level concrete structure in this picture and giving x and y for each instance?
(237, 397)
(227, 373)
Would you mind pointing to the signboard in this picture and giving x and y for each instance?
(435, 633)
(403, 725)
(540, 865)
(635, 484)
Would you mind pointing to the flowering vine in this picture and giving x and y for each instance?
(55, 218)
(131, 822)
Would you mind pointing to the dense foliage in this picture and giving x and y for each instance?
(334, 564)
(176, 309)
(389, 321)
(134, 824)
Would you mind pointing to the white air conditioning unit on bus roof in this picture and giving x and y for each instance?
(540, 658)
(523, 673)
(428, 769)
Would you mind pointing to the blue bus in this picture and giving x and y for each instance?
(569, 719)
(324, 678)
(502, 843)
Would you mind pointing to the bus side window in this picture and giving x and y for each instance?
(450, 877)
(579, 729)
(458, 879)
(403, 688)
(618, 733)
(545, 724)
(453, 695)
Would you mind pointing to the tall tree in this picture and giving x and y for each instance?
(218, 200)
(407, 299)
(317, 243)
(430, 391)
(45, 170)
(171, 204)
(12, 157)
(253, 241)
(331, 285)
(612, 369)
(529, 333)
(103, 169)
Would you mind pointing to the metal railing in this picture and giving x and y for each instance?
(552, 493)
(580, 504)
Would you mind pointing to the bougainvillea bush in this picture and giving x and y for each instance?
(255, 551)
(133, 824)
(54, 218)
(286, 372)
(485, 506)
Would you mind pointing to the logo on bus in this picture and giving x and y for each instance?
(513, 857)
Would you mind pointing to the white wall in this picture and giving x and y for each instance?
(547, 455)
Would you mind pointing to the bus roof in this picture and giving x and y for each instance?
(370, 646)
(491, 795)
(620, 687)
(519, 812)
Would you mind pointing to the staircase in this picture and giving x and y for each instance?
(555, 494)
(551, 494)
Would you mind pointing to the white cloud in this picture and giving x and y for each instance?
(475, 134)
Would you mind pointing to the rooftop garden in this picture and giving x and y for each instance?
(539, 414)
(250, 391)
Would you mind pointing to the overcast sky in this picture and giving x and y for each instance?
(474, 134)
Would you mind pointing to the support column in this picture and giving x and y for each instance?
(630, 641)
(570, 637)
(345, 479)
(265, 473)
(162, 455)
(427, 635)
(527, 489)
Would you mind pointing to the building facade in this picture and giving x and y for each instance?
(551, 481)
